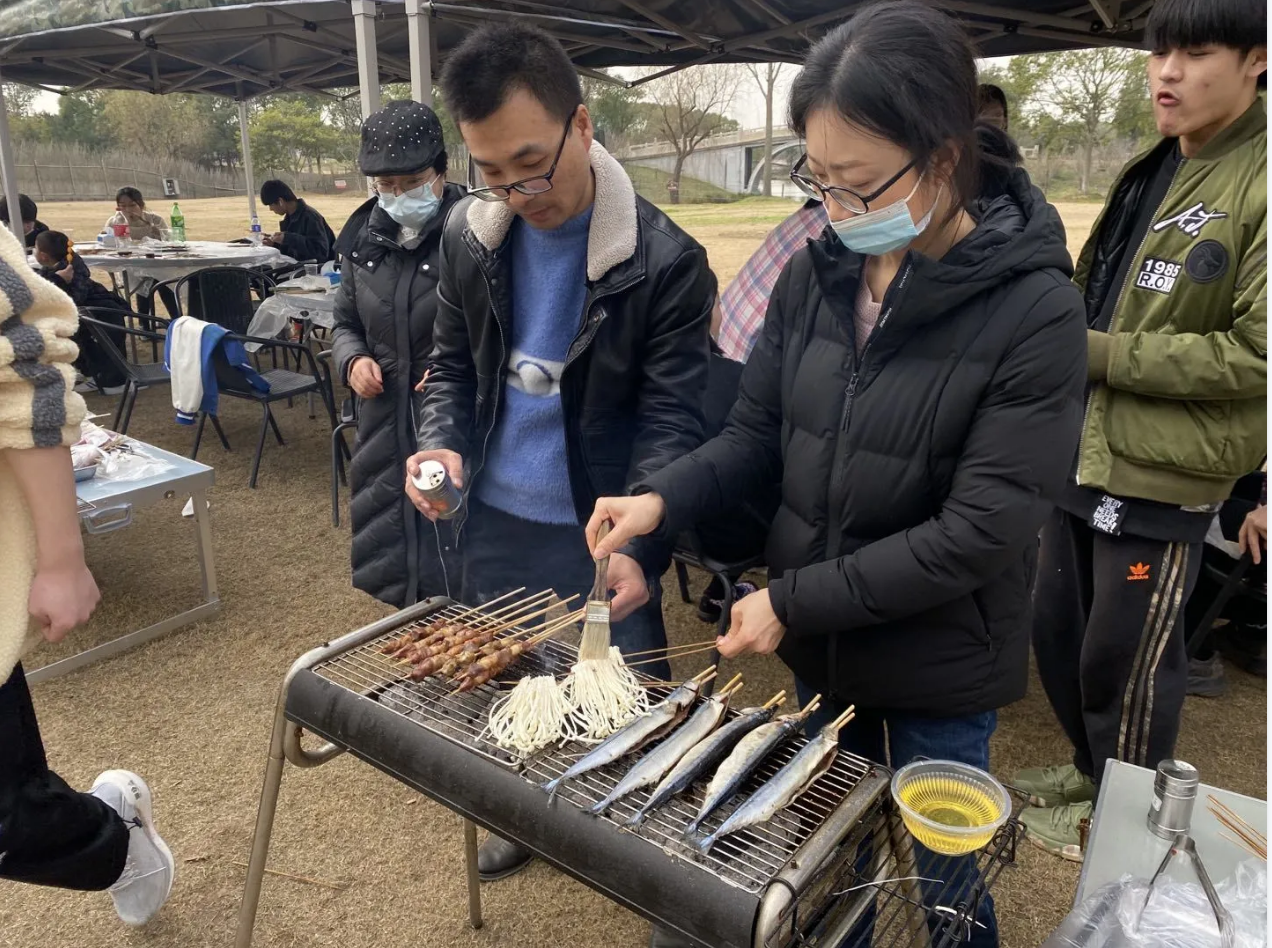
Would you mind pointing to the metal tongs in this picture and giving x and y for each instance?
(1184, 844)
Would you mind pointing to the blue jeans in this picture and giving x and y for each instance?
(907, 736)
(502, 552)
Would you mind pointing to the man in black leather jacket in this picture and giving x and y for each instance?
(570, 343)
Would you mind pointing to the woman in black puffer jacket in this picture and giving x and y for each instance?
(384, 333)
(917, 390)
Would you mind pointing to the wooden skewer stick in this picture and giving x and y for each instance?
(844, 718)
(684, 654)
(1217, 804)
(336, 886)
(735, 680)
(1252, 838)
(777, 699)
(506, 626)
(525, 610)
(479, 610)
(671, 648)
(710, 670)
(813, 704)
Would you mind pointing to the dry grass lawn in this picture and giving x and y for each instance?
(192, 712)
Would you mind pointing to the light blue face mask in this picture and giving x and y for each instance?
(413, 208)
(884, 230)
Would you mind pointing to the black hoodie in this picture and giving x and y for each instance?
(915, 477)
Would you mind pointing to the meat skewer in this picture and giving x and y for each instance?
(461, 655)
(486, 668)
(421, 652)
(425, 630)
(454, 629)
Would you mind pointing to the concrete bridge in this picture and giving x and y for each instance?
(733, 161)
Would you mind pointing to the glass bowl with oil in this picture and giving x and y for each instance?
(950, 808)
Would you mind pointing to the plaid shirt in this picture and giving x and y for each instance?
(745, 300)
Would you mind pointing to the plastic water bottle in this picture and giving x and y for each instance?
(176, 224)
(256, 231)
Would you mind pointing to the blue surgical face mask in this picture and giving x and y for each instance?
(413, 208)
(883, 230)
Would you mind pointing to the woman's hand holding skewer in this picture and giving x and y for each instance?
(754, 627)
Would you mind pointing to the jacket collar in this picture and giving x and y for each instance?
(1251, 122)
(611, 240)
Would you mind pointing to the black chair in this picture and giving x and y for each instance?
(284, 384)
(339, 448)
(1232, 583)
(138, 376)
(223, 295)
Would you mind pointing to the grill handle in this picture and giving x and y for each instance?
(299, 755)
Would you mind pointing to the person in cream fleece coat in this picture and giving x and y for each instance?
(49, 833)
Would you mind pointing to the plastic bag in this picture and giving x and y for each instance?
(117, 459)
(1177, 916)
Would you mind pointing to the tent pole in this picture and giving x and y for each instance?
(368, 57)
(247, 159)
(418, 29)
(9, 171)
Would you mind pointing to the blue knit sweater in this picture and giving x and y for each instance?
(527, 471)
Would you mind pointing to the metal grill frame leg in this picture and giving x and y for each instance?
(284, 745)
(902, 844)
(474, 880)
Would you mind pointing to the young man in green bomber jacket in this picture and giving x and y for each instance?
(1175, 282)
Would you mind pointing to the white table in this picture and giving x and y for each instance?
(1121, 842)
(108, 505)
(143, 261)
(273, 314)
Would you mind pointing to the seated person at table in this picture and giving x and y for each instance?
(31, 227)
(62, 266)
(305, 234)
(141, 222)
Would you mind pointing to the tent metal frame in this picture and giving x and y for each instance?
(168, 59)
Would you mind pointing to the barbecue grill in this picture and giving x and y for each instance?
(814, 871)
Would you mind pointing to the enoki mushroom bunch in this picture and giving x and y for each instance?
(597, 698)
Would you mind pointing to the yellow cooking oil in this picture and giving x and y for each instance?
(952, 803)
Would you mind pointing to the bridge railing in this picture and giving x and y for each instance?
(742, 136)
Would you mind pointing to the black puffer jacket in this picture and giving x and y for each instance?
(914, 478)
(636, 372)
(385, 309)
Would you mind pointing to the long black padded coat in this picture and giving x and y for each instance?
(915, 477)
(385, 309)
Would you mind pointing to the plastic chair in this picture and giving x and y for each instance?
(222, 295)
(284, 384)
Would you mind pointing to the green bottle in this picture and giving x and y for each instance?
(177, 223)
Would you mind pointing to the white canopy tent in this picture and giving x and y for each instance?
(245, 49)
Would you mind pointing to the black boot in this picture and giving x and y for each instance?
(498, 858)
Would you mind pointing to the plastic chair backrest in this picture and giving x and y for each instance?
(221, 295)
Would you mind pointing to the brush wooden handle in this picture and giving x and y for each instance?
(600, 589)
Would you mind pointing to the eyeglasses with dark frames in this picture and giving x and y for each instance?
(846, 198)
(537, 184)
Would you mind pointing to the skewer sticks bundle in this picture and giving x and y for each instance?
(670, 652)
(1246, 836)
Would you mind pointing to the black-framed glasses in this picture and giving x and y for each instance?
(537, 184)
(846, 198)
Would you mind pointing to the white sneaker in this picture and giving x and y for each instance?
(112, 389)
(85, 386)
(146, 881)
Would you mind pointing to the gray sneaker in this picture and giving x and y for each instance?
(146, 881)
(1206, 678)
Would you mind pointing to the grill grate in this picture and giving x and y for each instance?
(748, 860)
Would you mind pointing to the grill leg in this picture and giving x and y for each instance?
(474, 883)
(903, 851)
(260, 838)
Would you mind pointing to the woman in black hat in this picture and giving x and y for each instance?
(384, 333)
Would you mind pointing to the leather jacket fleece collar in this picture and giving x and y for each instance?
(635, 373)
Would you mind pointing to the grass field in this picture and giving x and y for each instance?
(192, 712)
(730, 232)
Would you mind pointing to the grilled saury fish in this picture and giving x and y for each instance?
(661, 718)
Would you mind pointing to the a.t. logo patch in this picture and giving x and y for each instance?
(1158, 275)
(1190, 221)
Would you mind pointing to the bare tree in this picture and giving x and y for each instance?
(766, 76)
(1085, 88)
(689, 105)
